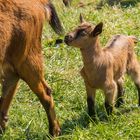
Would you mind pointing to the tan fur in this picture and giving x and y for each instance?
(104, 68)
(21, 23)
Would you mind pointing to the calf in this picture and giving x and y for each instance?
(104, 68)
(21, 23)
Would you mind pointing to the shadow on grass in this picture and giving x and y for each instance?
(129, 3)
(125, 110)
(83, 120)
(70, 125)
(30, 136)
(122, 3)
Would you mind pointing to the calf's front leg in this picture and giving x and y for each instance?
(110, 94)
(91, 101)
(90, 95)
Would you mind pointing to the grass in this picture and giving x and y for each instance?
(27, 119)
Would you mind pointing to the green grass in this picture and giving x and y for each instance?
(27, 119)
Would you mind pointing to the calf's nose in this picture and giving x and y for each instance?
(68, 38)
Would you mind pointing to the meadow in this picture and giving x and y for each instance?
(27, 118)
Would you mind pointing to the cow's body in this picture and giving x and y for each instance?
(21, 23)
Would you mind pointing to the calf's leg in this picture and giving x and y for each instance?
(120, 93)
(91, 100)
(91, 92)
(134, 72)
(138, 88)
(110, 94)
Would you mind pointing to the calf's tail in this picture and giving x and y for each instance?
(134, 39)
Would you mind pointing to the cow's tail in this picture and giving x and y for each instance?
(54, 19)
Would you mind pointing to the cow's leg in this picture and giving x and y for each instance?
(9, 84)
(31, 72)
(41, 89)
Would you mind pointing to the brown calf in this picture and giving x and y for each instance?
(21, 23)
(104, 68)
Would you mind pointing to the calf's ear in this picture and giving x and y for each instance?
(97, 30)
(81, 18)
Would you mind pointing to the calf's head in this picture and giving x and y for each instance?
(84, 34)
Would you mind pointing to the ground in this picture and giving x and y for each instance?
(27, 119)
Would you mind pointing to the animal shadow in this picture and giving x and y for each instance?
(126, 110)
(84, 119)
(69, 125)
(122, 3)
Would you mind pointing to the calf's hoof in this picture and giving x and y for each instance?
(92, 115)
(109, 108)
(119, 102)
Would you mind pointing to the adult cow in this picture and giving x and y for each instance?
(21, 23)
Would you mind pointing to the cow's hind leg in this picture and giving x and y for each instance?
(41, 89)
(31, 72)
(9, 84)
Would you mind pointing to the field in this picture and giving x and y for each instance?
(27, 118)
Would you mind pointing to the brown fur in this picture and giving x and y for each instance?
(104, 68)
(21, 23)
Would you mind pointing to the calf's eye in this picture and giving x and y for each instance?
(83, 33)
